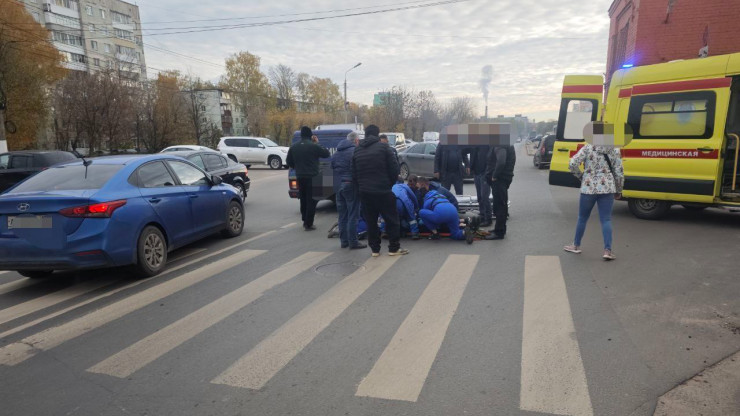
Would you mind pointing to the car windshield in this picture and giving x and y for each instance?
(269, 143)
(65, 178)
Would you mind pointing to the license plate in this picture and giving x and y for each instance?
(36, 221)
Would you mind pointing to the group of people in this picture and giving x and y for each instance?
(367, 184)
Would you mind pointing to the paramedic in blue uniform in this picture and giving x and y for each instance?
(437, 211)
(407, 206)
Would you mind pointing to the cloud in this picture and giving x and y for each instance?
(531, 45)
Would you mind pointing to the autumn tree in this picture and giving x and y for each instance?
(29, 64)
(459, 110)
(162, 112)
(284, 83)
(249, 88)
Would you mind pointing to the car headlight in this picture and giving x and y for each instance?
(284, 150)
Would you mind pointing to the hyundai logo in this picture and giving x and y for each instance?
(24, 206)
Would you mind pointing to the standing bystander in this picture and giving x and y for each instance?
(499, 174)
(347, 195)
(304, 158)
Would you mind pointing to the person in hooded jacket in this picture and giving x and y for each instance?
(437, 210)
(304, 158)
(601, 182)
(374, 172)
(347, 196)
(499, 174)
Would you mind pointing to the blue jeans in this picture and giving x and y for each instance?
(483, 189)
(348, 207)
(586, 205)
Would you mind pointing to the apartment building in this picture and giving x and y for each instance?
(218, 110)
(94, 35)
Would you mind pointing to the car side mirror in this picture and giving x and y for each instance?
(261, 146)
(216, 180)
(433, 152)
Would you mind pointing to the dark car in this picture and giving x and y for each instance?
(235, 174)
(543, 154)
(17, 166)
(417, 159)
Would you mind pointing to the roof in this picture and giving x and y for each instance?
(121, 159)
(39, 152)
(714, 66)
(186, 153)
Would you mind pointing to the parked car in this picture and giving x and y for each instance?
(233, 173)
(17, 166)
(185, 147)
(113, 211)
(543, 155)
(251, 150)
(397, 140)
(417, 160)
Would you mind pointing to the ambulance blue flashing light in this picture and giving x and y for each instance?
(628, 65)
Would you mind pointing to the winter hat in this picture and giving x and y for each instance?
(306, 132)
(372, 130)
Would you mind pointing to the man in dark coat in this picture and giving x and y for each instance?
(499, 174)
(450, 165)
(478, 163)
(374, 171)
(304, 158)
(347, 196)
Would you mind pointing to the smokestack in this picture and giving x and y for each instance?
(485, 80)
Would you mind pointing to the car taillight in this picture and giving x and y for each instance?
(293, 184)
(101, 210)
(542, 152)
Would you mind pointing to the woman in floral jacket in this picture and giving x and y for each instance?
(601, 181)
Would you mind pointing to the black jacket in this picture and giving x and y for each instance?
(501, 161)
(374, 166)
(450, 159)
(304, 157)
(479, 160)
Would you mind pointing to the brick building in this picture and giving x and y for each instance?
(645, 32)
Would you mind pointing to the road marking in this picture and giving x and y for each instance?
(17, 284)
(289, 225)
(143, 352)
(128, 286)
(553, 378)
(185, 253)
(260, 364)
(402, 369)
(18, 352)
(33, 305)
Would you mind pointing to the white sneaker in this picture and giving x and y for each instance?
(572, 248)
(400, 252)
(608, 256)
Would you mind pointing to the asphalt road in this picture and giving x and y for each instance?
(282, 322)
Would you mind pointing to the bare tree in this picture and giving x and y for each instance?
(459, 110)
(284, 82)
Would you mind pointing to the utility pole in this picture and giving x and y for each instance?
(346, 105)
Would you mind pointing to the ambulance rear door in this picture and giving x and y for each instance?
(581, 103)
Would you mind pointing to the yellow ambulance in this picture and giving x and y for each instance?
(684, 120)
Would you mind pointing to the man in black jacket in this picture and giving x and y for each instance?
(450, 165)
(304, 158)
(374, 171)
(499, 174)
(478, 164)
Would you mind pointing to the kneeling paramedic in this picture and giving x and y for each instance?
(407, 206)
(437, 210)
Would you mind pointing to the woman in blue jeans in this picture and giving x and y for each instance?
(602, 180)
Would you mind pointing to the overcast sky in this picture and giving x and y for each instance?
(530, 44)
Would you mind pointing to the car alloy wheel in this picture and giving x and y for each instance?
(242, 190)
(234, 220)
(275, 163)
(404, 171)
(153, 251)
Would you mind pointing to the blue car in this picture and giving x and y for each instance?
(113, 211)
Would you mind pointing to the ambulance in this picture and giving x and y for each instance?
(681, 125)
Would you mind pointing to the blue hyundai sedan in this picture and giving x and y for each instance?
(113, 211)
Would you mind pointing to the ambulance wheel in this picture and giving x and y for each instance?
(648, 209)
(404, 171)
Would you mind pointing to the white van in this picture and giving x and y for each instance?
(251, 150)
(431, 136)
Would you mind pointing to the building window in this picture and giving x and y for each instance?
(89, 10)
(67, 38)
(120, 17)
(65, 21)
(70, 4)
(73, 57)
(106, 48)
(125, 50)
(102, 14)
(96, 61)
(94, 45)
(92, 28)
(124, 34)
(36, 17)
(202, 108)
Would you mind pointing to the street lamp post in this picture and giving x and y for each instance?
(346, 106)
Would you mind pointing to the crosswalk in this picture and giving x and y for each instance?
(553, 379)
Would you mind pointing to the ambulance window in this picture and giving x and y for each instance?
(576, 113)
(680, 115)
